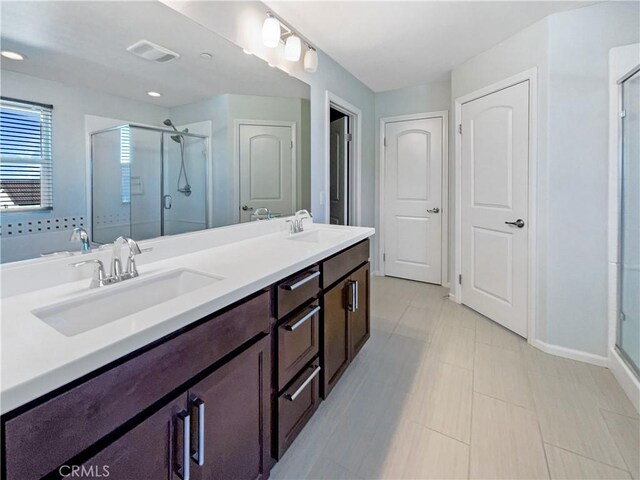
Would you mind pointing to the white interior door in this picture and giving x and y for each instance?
(494, 208)
(413, 199)
(338, 172)
(266, 169)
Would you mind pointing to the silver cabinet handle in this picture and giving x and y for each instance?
(299, 283)
(246, 207)
(518, 223)
(294, 395)
(434, 210)
(353, 301)
(355, 295)
(198, 454)
(183, 470)
(315, 310)
(167, 200)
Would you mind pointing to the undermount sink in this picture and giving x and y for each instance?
(320, 235)
(114, 302)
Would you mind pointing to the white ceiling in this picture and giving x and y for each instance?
(396, 44)
(84, 43)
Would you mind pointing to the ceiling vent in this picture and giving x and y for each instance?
(151, 51)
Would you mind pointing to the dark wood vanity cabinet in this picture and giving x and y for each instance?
(221, 397)
(219, 426)
(127, 414)
(346, 321)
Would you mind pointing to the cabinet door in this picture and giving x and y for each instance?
(336, 336)
(231, 433)
(359, 317)
(152, 449)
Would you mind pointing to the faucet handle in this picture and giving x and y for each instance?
(98, 279)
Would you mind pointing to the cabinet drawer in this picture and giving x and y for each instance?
(344, 262)
(297, 342)
(296, 406)
(44, 437)
(297, 290)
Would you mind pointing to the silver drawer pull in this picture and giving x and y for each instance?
(356, 294)
(291, 328)
(299, 283)
(295, 395)
(183, 470)
(198, 455)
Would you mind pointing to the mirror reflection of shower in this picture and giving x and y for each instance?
(179, 139)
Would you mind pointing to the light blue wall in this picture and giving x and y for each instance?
(570, 50)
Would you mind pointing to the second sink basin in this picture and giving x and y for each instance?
(320, 235)
(113, 302)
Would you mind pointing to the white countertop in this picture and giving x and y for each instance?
(37, 359)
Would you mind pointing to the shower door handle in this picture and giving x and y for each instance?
(166, 201)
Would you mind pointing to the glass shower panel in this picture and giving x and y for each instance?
(185, 183)
(629, 302)
(145, 188)
(111, 215)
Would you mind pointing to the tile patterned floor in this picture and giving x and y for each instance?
(440, 391)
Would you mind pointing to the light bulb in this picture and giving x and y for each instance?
(271, 32)
(311, 61)
(293, 48)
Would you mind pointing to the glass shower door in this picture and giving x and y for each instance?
(629, 262)
(111, 171)
(184, 196)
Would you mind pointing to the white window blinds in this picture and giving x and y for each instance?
(25, 156)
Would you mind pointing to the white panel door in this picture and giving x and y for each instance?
(266, 170)
(413, 199)
(338, 172)
(494, 209)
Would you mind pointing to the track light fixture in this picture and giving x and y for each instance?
(275, 31)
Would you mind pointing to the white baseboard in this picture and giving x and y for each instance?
(570, 353)
(625, 377)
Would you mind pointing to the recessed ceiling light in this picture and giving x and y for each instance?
(154, 94)
(206, 56)
(12, 55)
(247, 51)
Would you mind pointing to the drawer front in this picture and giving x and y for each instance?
(297, 290)
(46, 436)
(298, 340)
(296, 406)
(344, 262)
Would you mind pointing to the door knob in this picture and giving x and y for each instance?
(518, 223)
(434, 210)
(246, 207)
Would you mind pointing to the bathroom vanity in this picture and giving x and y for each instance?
(215, 382)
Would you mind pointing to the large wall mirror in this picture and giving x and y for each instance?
(126, 126)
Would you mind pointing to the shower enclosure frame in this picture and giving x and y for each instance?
(619, 233)
(161, 131)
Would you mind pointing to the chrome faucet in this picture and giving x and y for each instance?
(295, 224)
(116, 274)
(262, 211)
(116, 261)
(80, 234)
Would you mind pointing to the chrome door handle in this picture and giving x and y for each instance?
(518, 223)
(198, 454)
(246, 207)
(183, 470)
(433, 210)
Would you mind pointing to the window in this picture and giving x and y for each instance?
(25, 156)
